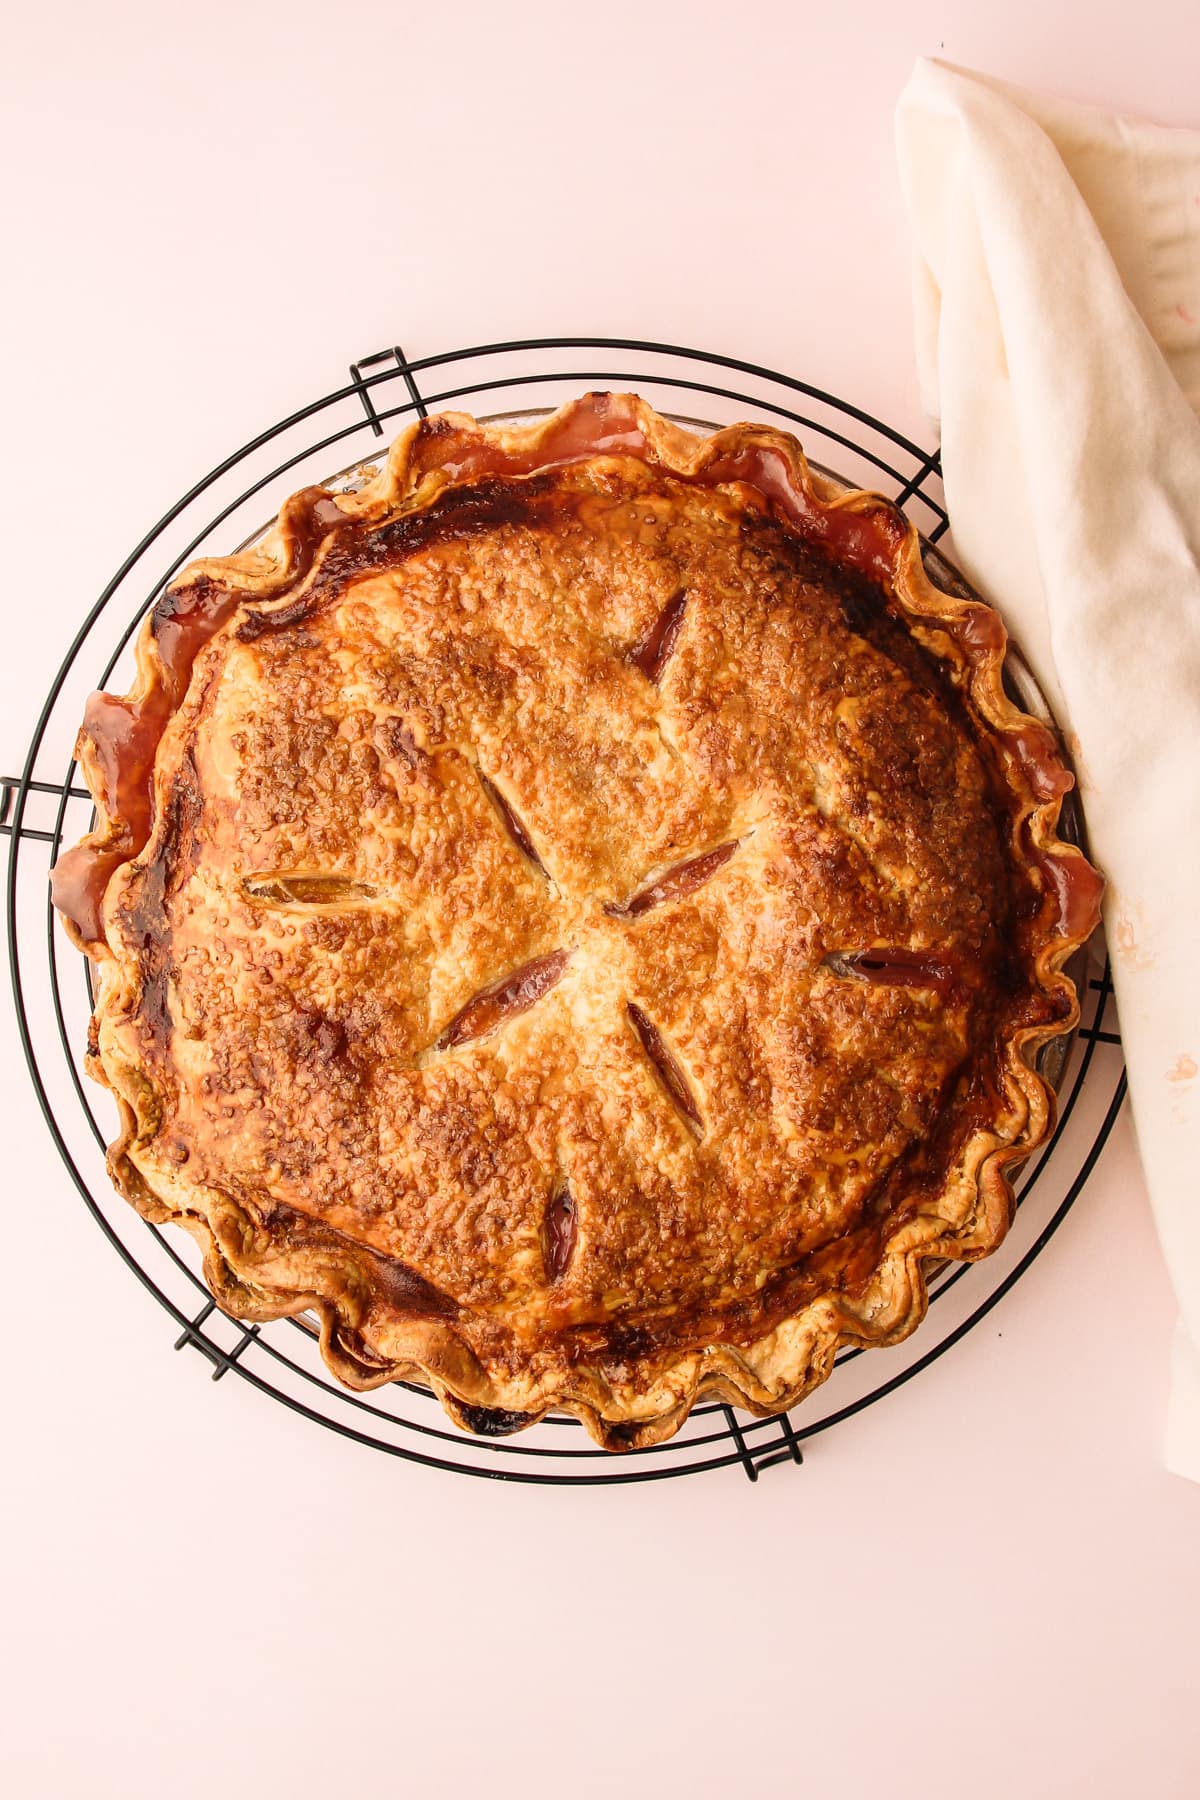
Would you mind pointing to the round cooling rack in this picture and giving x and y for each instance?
(47, 806)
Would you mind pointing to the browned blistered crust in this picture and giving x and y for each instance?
(491, 980)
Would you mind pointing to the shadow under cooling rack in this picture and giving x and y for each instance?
(46, 805)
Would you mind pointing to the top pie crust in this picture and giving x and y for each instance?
(578, 916)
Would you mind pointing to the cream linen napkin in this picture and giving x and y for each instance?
(1058, 340)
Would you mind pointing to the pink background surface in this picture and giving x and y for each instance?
(985, 1585)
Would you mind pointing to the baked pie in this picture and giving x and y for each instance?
(578, 917)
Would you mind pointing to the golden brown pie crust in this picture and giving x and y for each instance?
(578, 917)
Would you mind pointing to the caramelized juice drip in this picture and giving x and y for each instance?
(487, 1011)
(124, 736)
(77, 884)
(1076, 889)
(977, 628)
(601, 425)
(598, 427)
(182, 623)
(868, 539)
(1036, 748)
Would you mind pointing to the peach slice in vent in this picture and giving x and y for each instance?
(653, 650)
(504, 999)
(671, 1077)
(298, 887)
(560, 1227)
(684, 878)
(888, 967)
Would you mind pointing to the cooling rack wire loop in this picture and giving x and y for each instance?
(47, 805)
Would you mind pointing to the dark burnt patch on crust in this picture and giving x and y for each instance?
(625, 1436)
(145, 920)
(395, 742)
(486, 1421)
(406, 1292)
(356, 547)
(190, 613)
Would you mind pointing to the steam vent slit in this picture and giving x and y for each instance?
(652, 652)
(560, 1228)
(512, 823)
(486, 1011)
(940, 971)
(671, 1077)
(281, 887)
(684, 878)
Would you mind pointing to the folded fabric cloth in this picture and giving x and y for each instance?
(1058, 341)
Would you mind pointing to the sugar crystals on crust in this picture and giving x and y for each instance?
(578, 917)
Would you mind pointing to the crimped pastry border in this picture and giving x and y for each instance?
(253, 1278)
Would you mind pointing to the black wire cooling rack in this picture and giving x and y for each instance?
(46, 805)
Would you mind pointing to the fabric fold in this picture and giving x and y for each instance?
(1057, 321)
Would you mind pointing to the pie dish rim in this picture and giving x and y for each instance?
(774, 1372)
